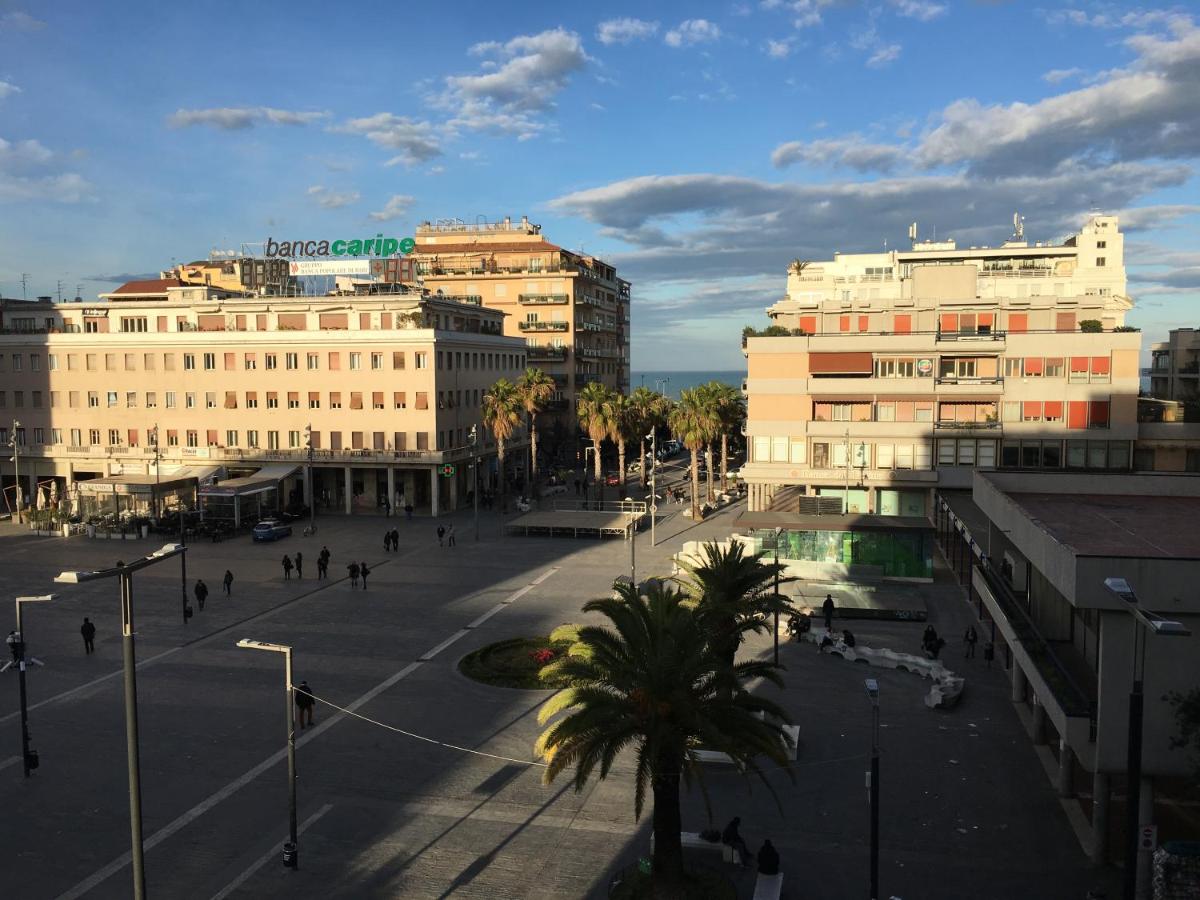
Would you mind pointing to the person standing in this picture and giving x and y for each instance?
(14, 644)
(304, 703)
(387, 540)
(201, 591)
(732, 837)
(88, 630)
(450, 542)
(353, 570)
(287, 568)
(364, 571)
(395, 539)
(768, 859)
(323, 563)
(970, 639)
(228, 582)
(408, 511)
(441, 536)
(299, 564)
(827, 607)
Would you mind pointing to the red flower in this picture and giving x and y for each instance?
(543, 656)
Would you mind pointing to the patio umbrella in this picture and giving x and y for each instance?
(40, 502)
(54, 491)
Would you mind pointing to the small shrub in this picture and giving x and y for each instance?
(1127, 328)
(1091, 326)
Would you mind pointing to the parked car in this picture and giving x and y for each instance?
(612, 479)
(271, 530)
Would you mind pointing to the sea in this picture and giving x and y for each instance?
(671, 383)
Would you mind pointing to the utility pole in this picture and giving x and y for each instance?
(473, 440)
(24, 285)
(778, 533)
(16, 461)
(653, 484)
(873, 784)
(28, 757)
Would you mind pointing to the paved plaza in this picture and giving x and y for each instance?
(966, 807)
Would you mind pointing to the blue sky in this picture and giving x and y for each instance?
(698, 146)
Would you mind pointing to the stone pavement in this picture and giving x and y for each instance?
(966, 808)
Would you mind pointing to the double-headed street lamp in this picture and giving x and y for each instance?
(872, 687)
(29, 758)
(124, 573)
(778, 534)
(312, 493)
(473, 443)
(290, 859)
(1161, 627)
(16, 461)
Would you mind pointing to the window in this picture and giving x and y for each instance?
(397, 359)
(272, 440)
(398, 400)
(168, 362)
(895, 367)
(779, 449)
(314, 400)
(376, 361)
(904, 456)
(151, 400)
(986, 457)
(1100, 369)
(355, 361)
(1064, 321)
(148, 362)
(1080, 369)
(1100, 245)
(422, 401)
(112, 398)
(210, 400)
(356, 401)
(314, 360)
(114, 437)
(271, 361)
(251, 399)
(1100, 262)
(252, 439)
(884, 458)
(291, 360)
(131, 399)
(945, 453)
(94, 436)
(377, 400)
(231, 438)
(35, 365)
(421, 360)
(189, 400)
(251, 361)
(272, 400)
(335, 400)
(1054, 366)
(189, 361)
(293, 399)
(294, 440)
(170, 400)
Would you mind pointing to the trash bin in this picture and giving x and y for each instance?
(66, 530)
(91, 530)
(290, 856)
(145, 532)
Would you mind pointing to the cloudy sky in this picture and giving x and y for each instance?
(698, 146)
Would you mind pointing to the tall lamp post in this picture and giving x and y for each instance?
(16, 461)
(873, 784)
(473, 443)
(28, 757)
(1156, 624)
(157, 480)
(312, 494)
(778, 533)
(653, 437)
(124, 573)
(291, 860)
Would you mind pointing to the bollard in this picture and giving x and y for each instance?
(290, 856)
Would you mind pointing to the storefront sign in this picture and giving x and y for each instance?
(320, 267)
(924, 366)
(376, 246)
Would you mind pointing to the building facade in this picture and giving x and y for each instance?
(570, 309)
(384, 388)
(253, 275)
(889, 374)
(1175, 366)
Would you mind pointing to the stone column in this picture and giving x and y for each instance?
(237, 511)
(391, 491)
(1018, 683)
(433, 491)
(1145, 817)
(872, 502)
(349, 489)
(1101, 794)
(1066, 769)
(1039, 720)
(453, 489)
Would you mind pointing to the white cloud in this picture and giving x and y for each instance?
(807, 12)
(622, 31)
(23, 154)
(7, 89)
(922, 10)
(884, 55)
(234, 118)
(1056, 76)
(31, 171)
(396, 207)
(19, 21)
(415, 140)
(330, 199)
(692, 31)
(853, 152)
(778, 49)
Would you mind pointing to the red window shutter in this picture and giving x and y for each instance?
(133, 434)
(903, 324)
(212, 437)
(986, 319)
(1064, 322)
(1098, 413)
(1052, 410)
(808, 324)
(1034, 365)
(1077, 411)
(1018, 322)
(1100, 365)
(864, 323)
(844, 323)
(1079, 365)
(949, 323)
(1032, 410)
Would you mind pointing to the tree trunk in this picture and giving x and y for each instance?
(621, 467)
(668, 849)
(529, 462)
(695, 484)
(712, 497)
(533, 446)
(725, 463)
(503, 480)
(598, 469)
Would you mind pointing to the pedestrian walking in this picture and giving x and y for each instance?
(287, 569)
(450, 536)
(576, 487)
(353, 570)
(364, 571)
(441, 536)
(408, 511)
(228, 582)
(14, 644)
(304, 703)
(299, 564)
(827, 607)
(323, 563)
(970, 639)
(731, 837)
(201, 592)
(387, 540)
(395, 539)
(989, 653)
(88, 630)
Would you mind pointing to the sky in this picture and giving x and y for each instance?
(697, 146)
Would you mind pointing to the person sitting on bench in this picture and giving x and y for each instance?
(768, 859)
(847, 637)
(731, 837)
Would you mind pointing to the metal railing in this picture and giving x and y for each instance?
(540, 299)
(543, 326)
(970, 335)
(967, 425)
(542, 352)
(969, 379)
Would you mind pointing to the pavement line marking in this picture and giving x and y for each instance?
(11, 761)
(267, 857)
(237, 784)
(430, 654)
(545, 575)
(230, 789)
(83, 687)
(487, 615)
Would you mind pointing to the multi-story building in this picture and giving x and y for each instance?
(894, 373)
(386, 388)
(254, 275)
(1175, 366)
(570, 308)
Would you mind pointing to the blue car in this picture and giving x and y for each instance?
(271, 530)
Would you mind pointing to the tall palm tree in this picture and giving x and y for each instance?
(733, 593)
(536, 388)
(502, 408)
(691, 421)
(621, 424)
(647, 681)
(712, 401)
(647, 410)
(731, 414)
(594, 408)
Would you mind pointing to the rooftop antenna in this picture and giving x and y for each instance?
(60, 290)
(1018, 227)
(24, 284)
(912, 232)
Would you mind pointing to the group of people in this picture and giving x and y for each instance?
(391, 540)
(357, 571)
(446, 536)
(768, 856)
(200, 590)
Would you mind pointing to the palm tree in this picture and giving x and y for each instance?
(621, 425)
(647, 410)
(733, 594)
(651, 684)
(710, 392)
(731, 414)
(536, 388)
(594, 408)
(502, 414)
(691, 422)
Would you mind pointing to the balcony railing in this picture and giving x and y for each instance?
(974, 426)
(597, 353)
(543, 352)
(970, 335)
(541, 299)
(543, 326)
(969, 379)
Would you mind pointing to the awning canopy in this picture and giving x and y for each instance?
(857, 363)
(265, 479)
(148, 484)
(852, 522)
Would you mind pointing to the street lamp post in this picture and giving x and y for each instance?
(599, 481)
(26, 755)
(16, 461)
(1120, 588)
(473, 442)
(125, 575)
(653, 435)
(632, 540)
(778, 532)
(873, 784)
(288, 697)
(312, 493)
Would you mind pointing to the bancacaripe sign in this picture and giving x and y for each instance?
(376, 246)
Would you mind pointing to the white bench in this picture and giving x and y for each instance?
(768, 887)
(691, 840)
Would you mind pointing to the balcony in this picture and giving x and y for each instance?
(993, 425)
(547, 353)
(543, 326)
(597, 353)
(971, 337)
(594, 326)
(970, 380)
(543, 299)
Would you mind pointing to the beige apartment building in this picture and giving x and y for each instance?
(570, 309)
(1175, 366)
(248, 274)
(906, 370)
(386, 388)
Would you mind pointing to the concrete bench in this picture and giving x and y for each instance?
(691, 840)
(719, 758)
(768, 887)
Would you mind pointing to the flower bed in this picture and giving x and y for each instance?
(513, 663)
